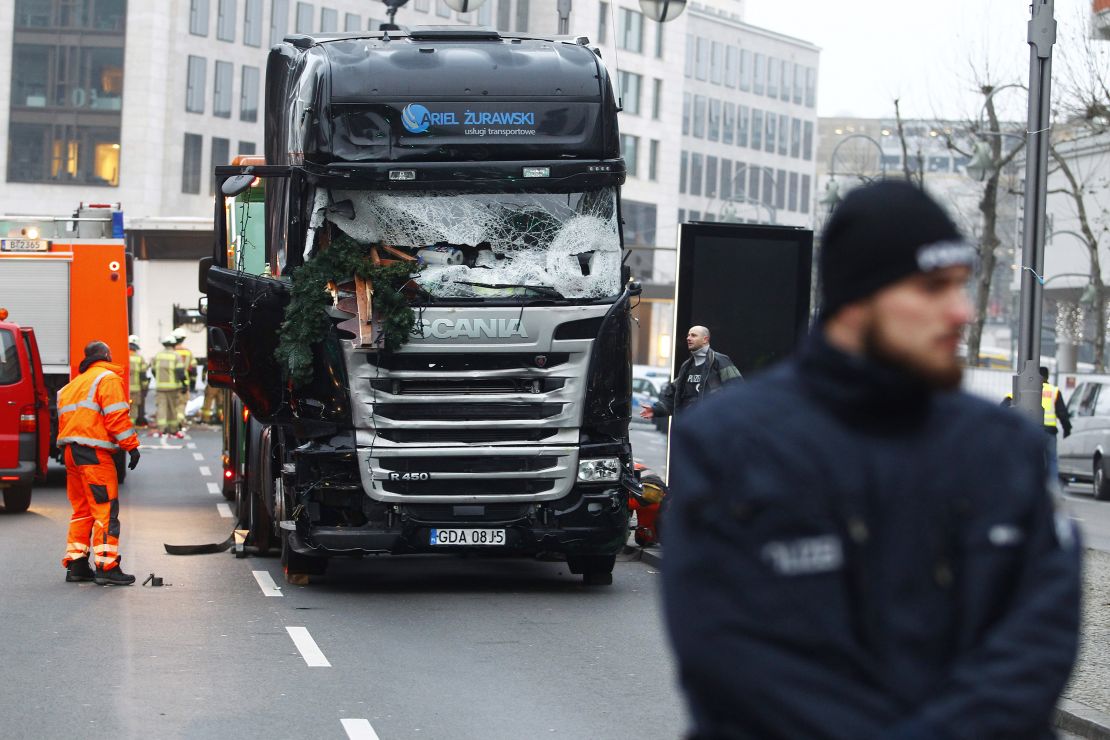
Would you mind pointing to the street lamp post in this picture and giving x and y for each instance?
(831, 196)
(1041, 37)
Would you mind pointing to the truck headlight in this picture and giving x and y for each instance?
(599, 470)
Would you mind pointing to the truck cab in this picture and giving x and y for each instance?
(24, 415)
(436, 354)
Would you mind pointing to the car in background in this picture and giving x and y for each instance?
(1085, 454)
(24, 415)
(647, 384)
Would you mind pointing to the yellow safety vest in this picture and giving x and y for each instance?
(1048, 403)
(166, 363)
(136, 372)
(186, 356)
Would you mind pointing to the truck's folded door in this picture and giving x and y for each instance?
(244, 318)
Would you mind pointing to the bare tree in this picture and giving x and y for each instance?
(917, 176)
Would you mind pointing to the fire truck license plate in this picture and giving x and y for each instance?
(468, 537)
(24, 245)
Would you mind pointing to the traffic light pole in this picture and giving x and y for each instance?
(1042, 37)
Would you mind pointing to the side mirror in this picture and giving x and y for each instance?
(203, 266)
(236, 184)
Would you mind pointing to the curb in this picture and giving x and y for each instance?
(653, 556)
(1082, 720)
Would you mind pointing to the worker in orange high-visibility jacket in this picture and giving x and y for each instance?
(93, 424)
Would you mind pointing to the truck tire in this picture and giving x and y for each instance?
(17, 499)
(1101, 480)
(295, 564)
(253, 515)
(596, 570)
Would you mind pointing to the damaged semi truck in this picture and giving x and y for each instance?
(420, 304)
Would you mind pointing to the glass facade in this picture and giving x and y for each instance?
(66, 98)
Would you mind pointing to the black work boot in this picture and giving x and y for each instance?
(79, 570)
(113, 577)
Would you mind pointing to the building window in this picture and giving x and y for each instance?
(786, 74)
(714, 133)
(686, 104)
(60, 153)
(688, 69)
(198, 17)
(701, 68)
(352, 22)
(485, 14)
(422, 6)
(795, 138)
(769, 138)
(221, 93)
(757, 129)
(190, 166)
(603, 22)
(695, 174)
(504, 15)
(780, 190)
(653, 160)
(799, 74)
(630, 150)
(522, 16)
(728, 123)
(772, 77)
(742, 126)
(279, 21)
(754, 177)
(731, 56)
(631, 30)
(329, 20)
(657, 100)
(768, 186)
(252, 23)
(225, 20)
(695, 215)
(807, 141)
(220, 155)
(658, 40)
(726, 179)
(639, 225)
(247, 148)
(710, 177)
(630, 83)
(740, 182)
(442, 9)
(745, 81)
(716, 62)
(304, 18)
(682, 215)
(811, 87)
(792, 197)
(805, 194)
(68, 77)
(683, 163)
(194, 84)
(784, 134)
(248, 95)
(699, 116)
(760, 74)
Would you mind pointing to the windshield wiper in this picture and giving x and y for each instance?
(544, 290)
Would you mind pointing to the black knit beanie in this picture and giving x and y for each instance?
(881, 233)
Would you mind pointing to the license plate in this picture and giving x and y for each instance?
(24, 245)
(467, 537)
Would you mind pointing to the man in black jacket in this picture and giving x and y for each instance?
(704, 372)
(855, 548)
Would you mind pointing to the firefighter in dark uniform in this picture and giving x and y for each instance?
(855, 548)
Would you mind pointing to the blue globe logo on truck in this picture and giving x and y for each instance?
(416, 118)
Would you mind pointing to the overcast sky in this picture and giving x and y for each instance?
(873, 51)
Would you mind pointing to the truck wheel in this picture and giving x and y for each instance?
(17, 499)
(294, 564)
(253, 515)
(596, 570)
(1101, 480)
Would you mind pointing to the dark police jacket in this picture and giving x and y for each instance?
(852, 556)
(719, 370)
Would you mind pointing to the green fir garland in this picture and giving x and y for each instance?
(306, 319)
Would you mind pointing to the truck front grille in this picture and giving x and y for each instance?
(466, 361)
(464, 435)
(465, 386)
(467, 487)
(469, 513)
(469, 464)
(467, 411)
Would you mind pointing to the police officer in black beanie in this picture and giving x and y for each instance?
(855, 548)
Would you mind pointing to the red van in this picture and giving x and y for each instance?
(24, 415)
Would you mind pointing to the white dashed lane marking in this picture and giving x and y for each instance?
(198, 456)
(308, 648)
(359, 729)
(192, 445)
(206, 471)
(213, 487)
(225, 510)
(269, 588)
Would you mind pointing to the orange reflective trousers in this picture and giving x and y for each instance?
(94, 494)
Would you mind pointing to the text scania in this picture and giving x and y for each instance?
(473, 328)
(485, 118)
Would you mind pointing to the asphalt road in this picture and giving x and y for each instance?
(390, 648)
(1093, 516)
(649, 446)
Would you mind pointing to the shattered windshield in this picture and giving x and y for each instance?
(491, 245)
